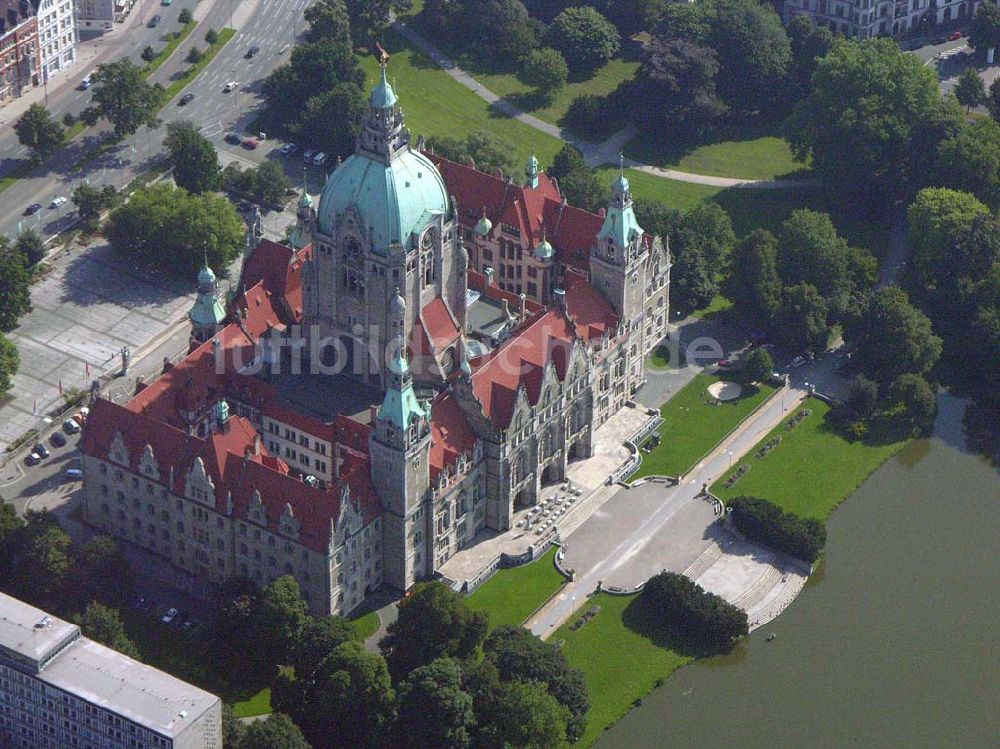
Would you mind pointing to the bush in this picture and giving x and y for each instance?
(685, 609)
(148, 54)
(195, 56)
(765, 522)
(211, 36)
(185, 17)
(69, 119)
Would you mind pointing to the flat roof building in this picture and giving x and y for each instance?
(61, 690)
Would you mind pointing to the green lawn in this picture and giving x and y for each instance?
(512, 595)
(813, 469)
(715, 308)
(161, 57)
(620, 657)
(745, 155)
(258, 704)
(680, 195)
(436, 104)
(693, 424)
(605, 80)
(366, 625)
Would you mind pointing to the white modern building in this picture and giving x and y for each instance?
(60, 690)
(56, 35)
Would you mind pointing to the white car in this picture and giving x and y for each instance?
(56, 202)
(319, 159)
(170, 615)
(230, 86)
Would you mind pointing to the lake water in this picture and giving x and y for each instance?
(894, 643)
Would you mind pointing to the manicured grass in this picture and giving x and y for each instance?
(258, 704)
(715, 308)
(161, 57)
(436, 104)
(693, 422)
(744, 155)
(366, 625)
(605, 80)
(813, 469)
(680, 195)
(192, 72)
(512, 595)
(621, 657)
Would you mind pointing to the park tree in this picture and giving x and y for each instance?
(809, 43)
(861, 399)
(801, 321)
(280, 616)
(524, 714)
(985, 31)
(345, 703)
(935, 218)
(977, 249)
(193, 157)
(519, 655)
(993, 99)
(38, 131)
(370, 18)
(692, 280)
(970, 89)
(15, 296)
(195, 55)
(276, 731)
(39, 556)
(708, 226)
(914, 396)
(488, 151)
(184, 17)
(502, 26)
(758, 364)
(433, 709)
(586, 38)
(148, 54)
(752, 282)
(676, 87)
(810, 251)
(582, 189)
(30, 244)
(681, 607)
(91, 201)
(10, 361)
(104, 625)
(567, 159)
(101, 573)
(871, 118)
(970, 161)
(544, 70)
(683, 21)
(317, 638)
(433, 622)
(892, 336)
(755, 56)
(343, 103)
(10, 522)
(121, 95)
(211, 37)
(328, 19)
(164, 227)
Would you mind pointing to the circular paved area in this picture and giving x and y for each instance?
(725, 391)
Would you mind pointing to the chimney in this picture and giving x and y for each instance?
(521, 306)
(489, 275)
(559, 298)
(506, 308)
(256, 444)
(372, 414)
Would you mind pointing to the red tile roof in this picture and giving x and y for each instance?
(439, 324)
(451, 434)
(477, 282)
(278, 268)
(588, 309)
(521, 362)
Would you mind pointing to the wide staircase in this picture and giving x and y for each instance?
(705, 560)
(765, 583)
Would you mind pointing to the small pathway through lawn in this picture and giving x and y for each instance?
(595, 154)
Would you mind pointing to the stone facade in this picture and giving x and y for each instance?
(865, 19)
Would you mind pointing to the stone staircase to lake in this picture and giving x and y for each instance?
(705, 560)
(764, 584)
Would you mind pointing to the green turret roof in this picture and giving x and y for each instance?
(383, 96)
(484, 226)
(400, 404)
(543, 250)
(207, 310)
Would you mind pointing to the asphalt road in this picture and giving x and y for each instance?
(214, 111)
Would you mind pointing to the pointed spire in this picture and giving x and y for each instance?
(383, 96)
(532, 171)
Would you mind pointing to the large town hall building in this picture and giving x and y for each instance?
(431, 347)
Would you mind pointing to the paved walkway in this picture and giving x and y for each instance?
(617, 546)
(595, 154)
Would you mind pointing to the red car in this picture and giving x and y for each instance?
(250, 143)
(955, 36)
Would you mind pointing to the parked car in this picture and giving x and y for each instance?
(726, 363)
(288, 149)
(70, 426)
(57, 201)
(80, 417)
(233, 138)
(798, 361)
(85, 83)
(74, 473)
(308, 155)
(154, 21)
(319, 159)
(41, 450)
(32, 460)
(955, 36)
(185, 99)
(284, 49)
(58, 439)
(32, 209)
(190, 626)
(252, 52)
(170, 615)
(250, 143)
(230, 86)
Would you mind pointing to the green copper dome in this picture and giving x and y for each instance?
(383, 96)
(393, 200)
(544, 251)
(484, 226)
(206, 278)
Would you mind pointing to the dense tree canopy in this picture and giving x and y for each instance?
(969, 160)
(489, 152)
(679, 605)
(104, 624)
(193, 157)
(970, 91)
(433, 709)
(91, 201)
(369, 18)
(752, 282)
(38, 131)
(763, 521)
(38, 556)
(915, 397)
(121, 95)
(801, 322)
(683, 74)
(316, 639)
(10, 362)
(276, 731)
(584, 37)
(433, 622)
(30, 244)
(15, 299)
(936, 218)
(871, 118)
(102, 574)
(165, 227)
(809, 43)
(810, 251)
(985, 31)
(545, 70)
